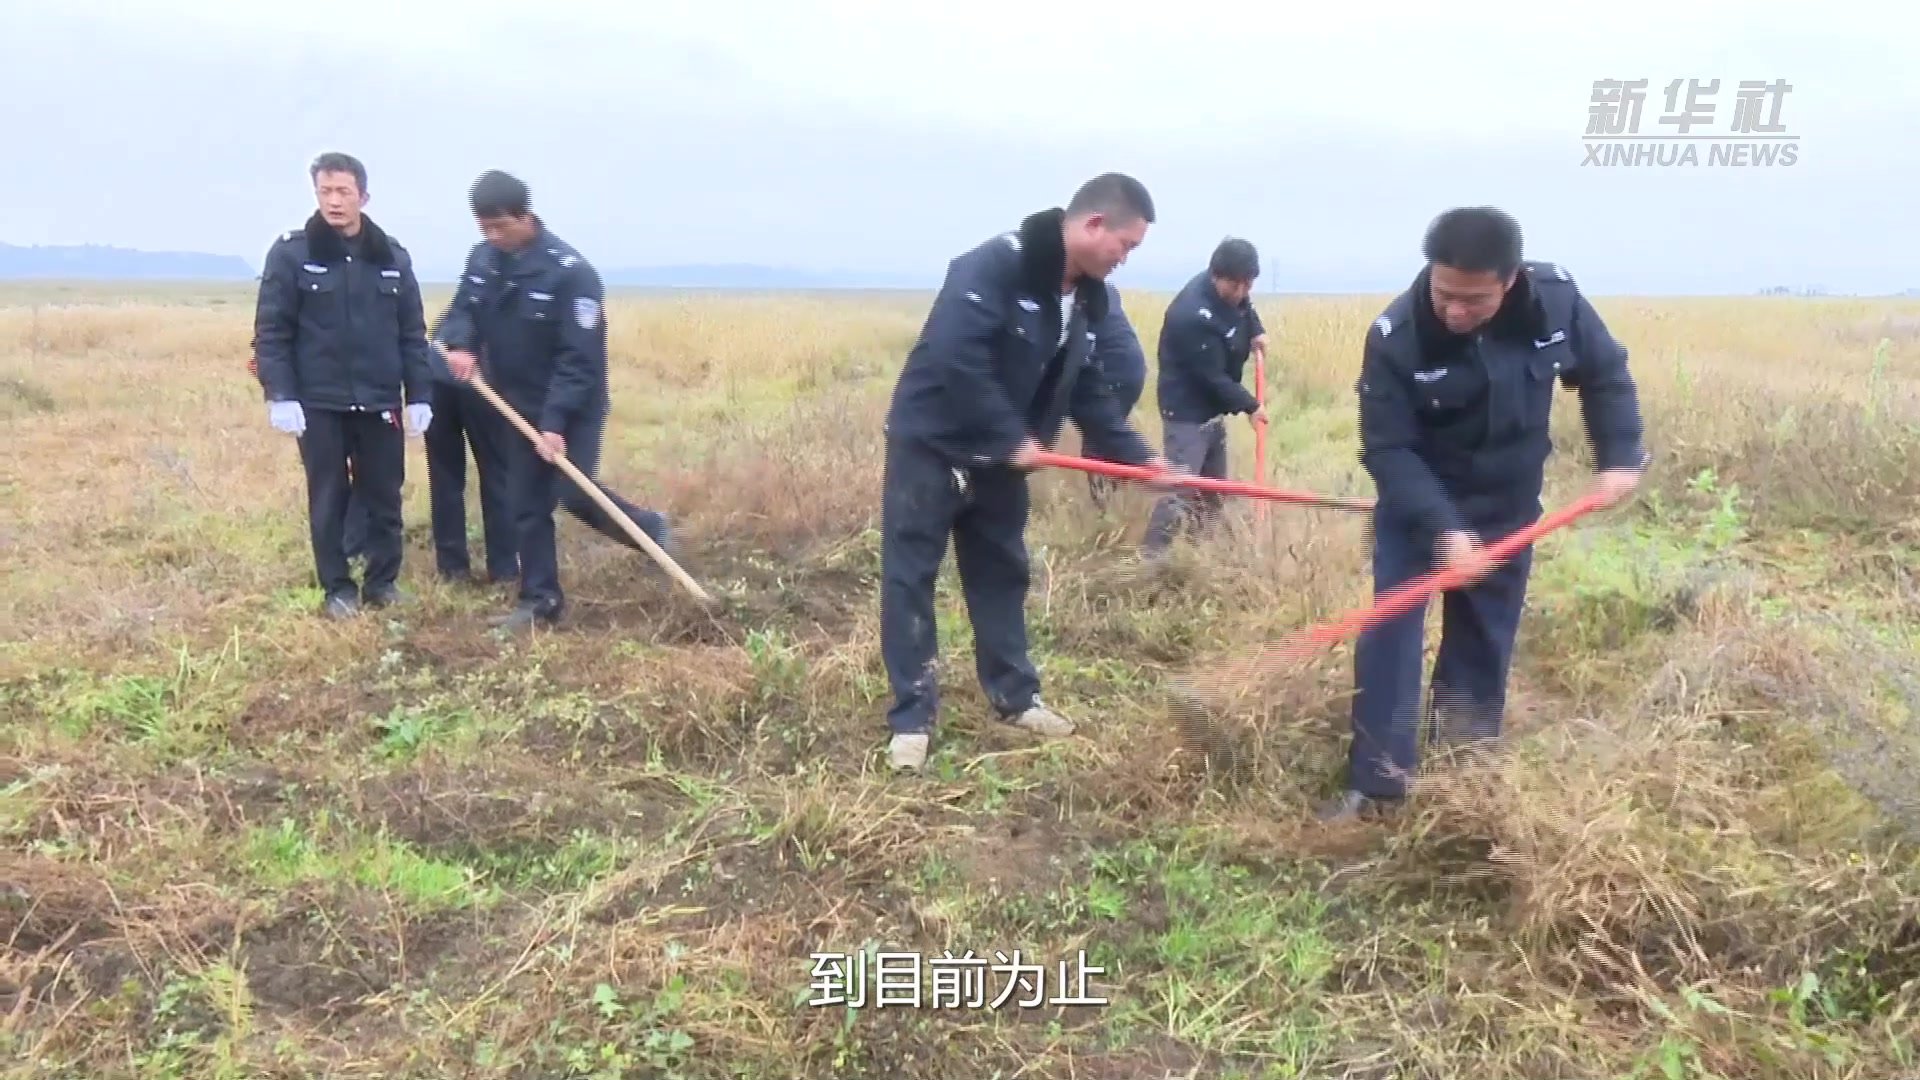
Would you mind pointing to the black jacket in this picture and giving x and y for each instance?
(537, 323)
(990, 367)
(1453, 428)
(1117, 352)
(1204, 345)
(339, 332)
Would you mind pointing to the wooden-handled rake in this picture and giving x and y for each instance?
(592, 489)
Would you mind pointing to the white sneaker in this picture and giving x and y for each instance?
(908, 750)
(1043, 721)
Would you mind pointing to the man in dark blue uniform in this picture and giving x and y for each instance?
(353, 540)
(463, 419)
(1456, 387)
(528, 315)
(340, 344)
(1210, 329)
(1004, 358)
(1118, 355)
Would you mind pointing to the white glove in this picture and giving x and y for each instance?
(287, 416)
(419, 415)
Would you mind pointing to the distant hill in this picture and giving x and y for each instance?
(91, 262)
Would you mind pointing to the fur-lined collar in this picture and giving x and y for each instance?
(326, 245)
(1043, 264)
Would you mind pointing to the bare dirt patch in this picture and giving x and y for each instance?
(310, 707)
(48, 904)
(497, 805)
(326, 951)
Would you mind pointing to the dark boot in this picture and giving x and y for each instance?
(380, 596)
(1350, 805)
(341, 606)
(525, 617)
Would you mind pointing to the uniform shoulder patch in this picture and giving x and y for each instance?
(1384, 325)
(586, 312)
(1204, 313)
(1012, 239)
(1553, 271)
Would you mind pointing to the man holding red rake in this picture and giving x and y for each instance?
(1210, 330)
(1455, 392)
(1005, 358)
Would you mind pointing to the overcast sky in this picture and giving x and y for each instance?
(888, 137)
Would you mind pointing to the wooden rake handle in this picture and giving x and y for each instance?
(592, 489)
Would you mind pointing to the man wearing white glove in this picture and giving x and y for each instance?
(356, 535)
(340, 340)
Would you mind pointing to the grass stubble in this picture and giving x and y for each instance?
(245, 842)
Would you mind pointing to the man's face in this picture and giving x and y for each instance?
(508, 232)
(1233, 292)
(1463, 300)
(340, 198)
(1097, 247)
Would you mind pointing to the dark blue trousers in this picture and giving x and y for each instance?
(536, 489)
(924, 503)
(462, 419)
(354, 458)
(355, 537)
(1469, 681)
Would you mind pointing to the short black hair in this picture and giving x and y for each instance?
(1475, 239)
(497, 194)
(334, 161)
(1119, 196)
(1235, 259)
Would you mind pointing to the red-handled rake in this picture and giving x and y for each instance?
(1191, 702)
(1049, 459)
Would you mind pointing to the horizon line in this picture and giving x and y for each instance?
(1768, 292)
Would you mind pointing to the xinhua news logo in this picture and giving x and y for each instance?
(1686, 134)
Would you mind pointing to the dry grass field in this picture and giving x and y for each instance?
(242, 841)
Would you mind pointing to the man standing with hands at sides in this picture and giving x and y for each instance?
(354, 537)
(340, 343)
(1210, 329)
(1004, 358)
(1456, 388)
(528, 316)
